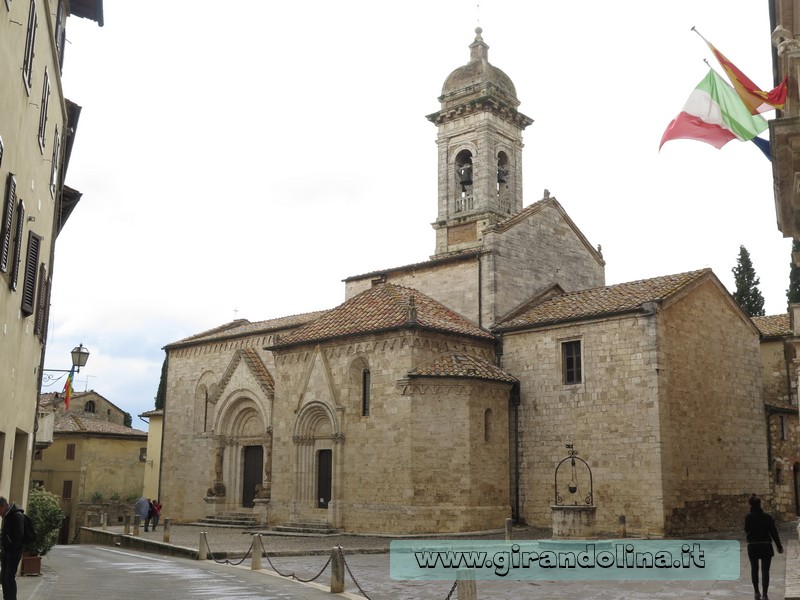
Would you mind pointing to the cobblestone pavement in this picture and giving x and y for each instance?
(367, 560)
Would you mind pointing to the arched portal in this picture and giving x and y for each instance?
(317, 439)
(243, 450)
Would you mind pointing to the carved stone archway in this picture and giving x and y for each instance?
(316, 430)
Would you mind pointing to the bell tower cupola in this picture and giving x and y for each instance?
(479, 151)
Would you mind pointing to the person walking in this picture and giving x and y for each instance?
(156, 512)
(761, 532)
(142, 509)
(10, 546)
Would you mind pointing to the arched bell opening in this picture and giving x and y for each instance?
(503, 183)
(464, 183)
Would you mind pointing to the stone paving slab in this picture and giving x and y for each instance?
(368, 560)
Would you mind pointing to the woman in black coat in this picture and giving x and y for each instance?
(761, 532)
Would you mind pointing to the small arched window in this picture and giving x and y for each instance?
(89, 407)
(487, 425)
(365, 389)
(464, 186)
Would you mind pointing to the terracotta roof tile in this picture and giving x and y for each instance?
(71, 423)
(462, 365)
(774, 325)
(380, 308)
(243, 327)
(596, 302)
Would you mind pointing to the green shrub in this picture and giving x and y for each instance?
(115, 496)
(44, 509)
(97, 497)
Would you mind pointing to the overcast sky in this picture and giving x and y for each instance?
(239, 160)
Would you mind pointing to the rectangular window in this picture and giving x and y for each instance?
(17, 246)
(783, 428)
(31, 270)
(70, 451)
(7, 227)
(66, 490)
(55, 163)
(142, 454)
(571, 361)
(42, 135)
(30, 42)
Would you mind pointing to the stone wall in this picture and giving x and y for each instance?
(611, 417)
(190, 421)
(715, 451)
(539, 249)
(412, 464)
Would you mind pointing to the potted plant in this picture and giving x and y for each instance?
(44, 509)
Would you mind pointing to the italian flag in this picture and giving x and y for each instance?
(715, 114)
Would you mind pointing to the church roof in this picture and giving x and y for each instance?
(72, 423)
(462, 365)
(602, 301)
(243, 327)
(774, 325)
(383, 307)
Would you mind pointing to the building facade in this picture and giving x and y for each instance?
(440, 396)
(37, 128)
(94, 465)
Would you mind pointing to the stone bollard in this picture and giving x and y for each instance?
(255, 564)
(104, 521)
(166, 530)
(127, 522)
(203, 547)
(509, 530)
(136, 525)
(337, 570)
(623, 529)
(465, 585)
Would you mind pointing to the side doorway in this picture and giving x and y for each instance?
(253, 467)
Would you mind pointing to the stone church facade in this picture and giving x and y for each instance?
(440, 396)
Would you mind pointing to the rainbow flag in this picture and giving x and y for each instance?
(68, 388)
(756, 99)
(715, 114)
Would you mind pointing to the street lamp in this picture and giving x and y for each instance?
(79, 357)
(80, 354)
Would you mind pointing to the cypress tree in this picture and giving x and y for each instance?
(747, 293)
(793, 293)
(161, 394)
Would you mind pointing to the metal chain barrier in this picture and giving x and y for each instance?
(349, 572)
(293, 575)
(226, 561)
(452, 589)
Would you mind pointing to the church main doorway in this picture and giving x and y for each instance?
(253, 464)
(324, 472)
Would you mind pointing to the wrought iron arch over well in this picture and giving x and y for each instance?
(572, 486)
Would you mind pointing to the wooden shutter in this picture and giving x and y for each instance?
(31, 269)
(17, 245)
(42, 302)
(8, 222)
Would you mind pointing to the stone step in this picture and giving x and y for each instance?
(306, 527)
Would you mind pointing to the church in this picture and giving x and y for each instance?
(441, 396)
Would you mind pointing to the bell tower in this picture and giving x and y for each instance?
(479, 151)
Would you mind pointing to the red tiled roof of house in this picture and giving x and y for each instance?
(774, 325)
(462, 365)
(71, 423)
(384, 307)
(601, 301)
